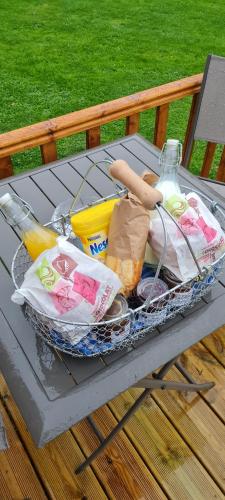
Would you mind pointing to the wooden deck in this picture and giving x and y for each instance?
(172, 448)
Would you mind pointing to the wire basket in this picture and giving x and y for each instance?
(139, 319)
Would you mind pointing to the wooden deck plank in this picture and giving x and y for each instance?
(160, 445)
(18, 479)
(9, 487)
(119, 467)
(157, 443)
(215, 343)
(203, 366)
(198, 425)
(55, 463)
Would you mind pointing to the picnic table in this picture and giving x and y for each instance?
(54, 390)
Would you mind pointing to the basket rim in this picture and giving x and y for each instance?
(131, 312)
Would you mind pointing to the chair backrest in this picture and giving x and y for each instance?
(209, 120)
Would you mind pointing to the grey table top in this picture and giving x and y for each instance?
(52, 390)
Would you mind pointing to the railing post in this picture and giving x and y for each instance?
(161, 125)
(220, 175)
(6, 167)
(48, 152)
(132, 124)
(208, 158)
(189, 136)
(93, 137)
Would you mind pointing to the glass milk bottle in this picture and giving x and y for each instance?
(170, 160)
(167, 184)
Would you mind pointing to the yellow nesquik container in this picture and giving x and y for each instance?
(92, 226)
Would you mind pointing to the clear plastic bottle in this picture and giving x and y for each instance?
(170, 160)
(36, 237)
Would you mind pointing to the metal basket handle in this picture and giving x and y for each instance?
(158, 207)
(77, 195)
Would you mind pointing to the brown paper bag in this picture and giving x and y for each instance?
(149, 257)
(127, 238)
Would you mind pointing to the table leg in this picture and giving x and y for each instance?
(95, 428)
(162, 372)
(3, 437)
(149, 384)
(173, 385)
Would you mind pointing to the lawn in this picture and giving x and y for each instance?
(58, 56)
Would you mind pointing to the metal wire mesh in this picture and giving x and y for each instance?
(140, 319)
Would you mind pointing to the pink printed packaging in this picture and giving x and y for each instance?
(66, 284)
(201, 228)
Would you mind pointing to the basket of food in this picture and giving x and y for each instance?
(121, 266)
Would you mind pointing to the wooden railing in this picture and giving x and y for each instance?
(45, 134)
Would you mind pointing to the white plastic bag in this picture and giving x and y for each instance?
(69, 285)
(200, 226)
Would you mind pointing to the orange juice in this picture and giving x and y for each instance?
(39, 239)
(17, 213)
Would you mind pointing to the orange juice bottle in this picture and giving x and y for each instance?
(36, 238)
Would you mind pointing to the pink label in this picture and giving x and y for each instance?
(87, 287)
(188, 225)
(192, 227)
(64, 265)
(64, 298)
(192, 202)
(209, 232)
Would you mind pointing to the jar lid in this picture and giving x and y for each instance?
(144, 288)
(172, 142)
(118, 308)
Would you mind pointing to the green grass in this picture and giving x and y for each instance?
(58, 56)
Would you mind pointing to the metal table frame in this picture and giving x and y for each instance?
(149, 385)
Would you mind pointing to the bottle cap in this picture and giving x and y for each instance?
(172, 142)
(13, 209)
(6, 198)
